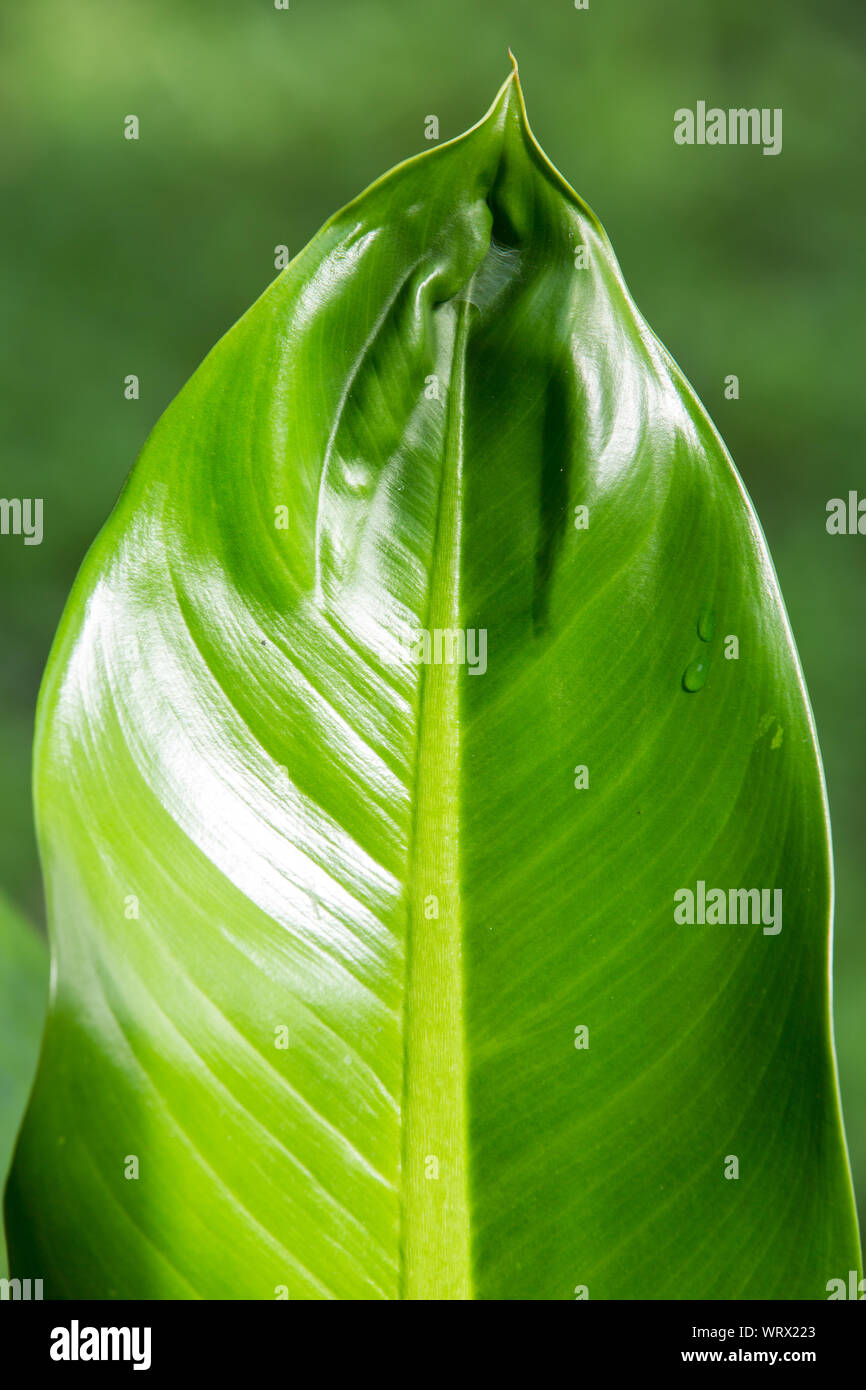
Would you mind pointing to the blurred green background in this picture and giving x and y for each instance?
(256, 124)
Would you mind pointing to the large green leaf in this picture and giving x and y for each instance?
(23, 988)
(390, 859)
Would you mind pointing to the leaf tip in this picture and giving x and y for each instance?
(509, 98)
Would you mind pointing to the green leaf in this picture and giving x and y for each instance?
(260, 811)
(23, 988)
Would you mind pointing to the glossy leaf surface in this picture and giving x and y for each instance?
(330, 921)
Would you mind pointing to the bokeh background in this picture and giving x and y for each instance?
(256, 124)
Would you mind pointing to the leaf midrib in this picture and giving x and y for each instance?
(435, 1243)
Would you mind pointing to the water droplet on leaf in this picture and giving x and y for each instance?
(707, 623)
(696, 673)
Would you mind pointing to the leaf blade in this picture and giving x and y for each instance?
(295, 790)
